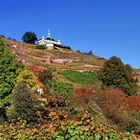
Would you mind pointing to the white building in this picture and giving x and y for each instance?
(49, 42)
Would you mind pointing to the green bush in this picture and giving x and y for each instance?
(2, 36)
(42, 47)
(116, 74)
(9, 70)
(45, 76)
(133, 126)
(59, 89)
(24, 105)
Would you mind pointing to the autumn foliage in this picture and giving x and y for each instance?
(113, 103)
(36, 69)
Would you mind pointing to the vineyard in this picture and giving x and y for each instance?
(42, 98)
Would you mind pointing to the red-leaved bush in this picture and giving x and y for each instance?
(36, 69)
(134, 103)
(109, 97)
(112, 102)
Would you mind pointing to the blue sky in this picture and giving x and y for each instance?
(107, 27)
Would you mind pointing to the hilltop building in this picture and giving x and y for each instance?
(50, 43)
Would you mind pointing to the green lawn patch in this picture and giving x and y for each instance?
(80, 77)
(58, 89)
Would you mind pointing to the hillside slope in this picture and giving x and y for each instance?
(59, 59)
(70, 104)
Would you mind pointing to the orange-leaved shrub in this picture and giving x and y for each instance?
(111, 102)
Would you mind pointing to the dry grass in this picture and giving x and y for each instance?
(33, 55)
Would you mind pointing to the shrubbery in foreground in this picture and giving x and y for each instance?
(82, 129)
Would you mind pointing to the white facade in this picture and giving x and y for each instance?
(49, 42)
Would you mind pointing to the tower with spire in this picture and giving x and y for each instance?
(49, 35)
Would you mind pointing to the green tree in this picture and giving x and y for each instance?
(25, 105)
(29, 37)
(115, 73)
(9, 70)
(90, 52)
(45, 76)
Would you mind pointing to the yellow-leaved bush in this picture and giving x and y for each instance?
(28, 77)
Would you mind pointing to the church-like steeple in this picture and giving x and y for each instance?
(49, 34)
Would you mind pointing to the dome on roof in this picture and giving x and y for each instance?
(49, 34)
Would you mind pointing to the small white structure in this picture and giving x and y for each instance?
(49, 42)
(40, 91)
(14, 46)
